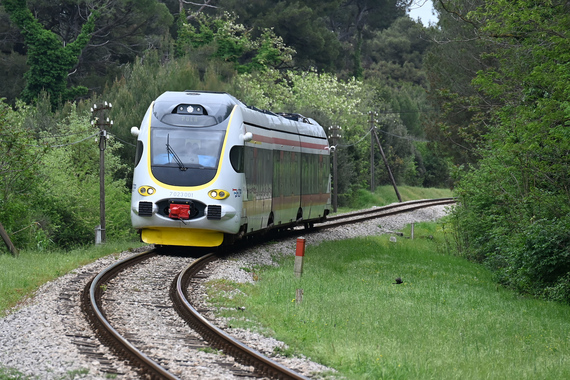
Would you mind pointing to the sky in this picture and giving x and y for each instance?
(423, 11)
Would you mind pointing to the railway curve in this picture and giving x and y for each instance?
(215, 336)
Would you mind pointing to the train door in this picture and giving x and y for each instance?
(286, 201)
(259, 177)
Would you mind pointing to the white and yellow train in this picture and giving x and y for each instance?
(209, 169)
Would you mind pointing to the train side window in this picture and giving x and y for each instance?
(139, 152)
(236, 158)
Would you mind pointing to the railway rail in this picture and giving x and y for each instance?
(379, 212)
(179, 294)
(91, 303)
(216, 336)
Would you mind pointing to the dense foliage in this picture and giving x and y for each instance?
(50, 167)
(515, 198)
(229, 41)
(49, 61)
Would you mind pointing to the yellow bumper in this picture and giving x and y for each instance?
(182, 236)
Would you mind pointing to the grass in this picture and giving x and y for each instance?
(448, 320)
(21, 276)
(11, 374)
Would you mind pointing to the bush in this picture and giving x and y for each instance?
(50, 176)
(68, 198)
(522, 235)
(542, 259)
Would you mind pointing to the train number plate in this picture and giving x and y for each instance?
(181, 194)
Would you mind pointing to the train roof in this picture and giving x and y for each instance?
(220, 103)
(204, 96)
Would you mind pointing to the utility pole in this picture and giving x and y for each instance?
(100, 122)
(375, 137)
(8, 242)
(335, 137)
(371, 120)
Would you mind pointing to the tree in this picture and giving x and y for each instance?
(453, 59)
(67, 191)
(123, 31)
(232, 42)
(515, 203)
(49, 60)
(327, 35)
(355, 22)
(20, 158)
(395, 54)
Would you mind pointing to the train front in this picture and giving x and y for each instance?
(185, 190)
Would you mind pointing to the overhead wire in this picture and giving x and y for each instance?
(73, 143)
(403, 137)
(121, 140)
(61, 145)
(388, 133)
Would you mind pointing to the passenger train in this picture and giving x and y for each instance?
(210, 169)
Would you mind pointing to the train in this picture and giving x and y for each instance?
(209, 170)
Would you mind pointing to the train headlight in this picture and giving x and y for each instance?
(146, 190)
(218, 194)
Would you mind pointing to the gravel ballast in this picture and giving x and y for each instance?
(49, 338)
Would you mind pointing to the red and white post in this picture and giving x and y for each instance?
(299, 256)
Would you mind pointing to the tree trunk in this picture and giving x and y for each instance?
(7, 240)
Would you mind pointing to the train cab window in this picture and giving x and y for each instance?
(236, 158)
(185, 157)
(175, 147)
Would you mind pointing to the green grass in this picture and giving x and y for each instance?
(448, 320)
(11, 374)
(385, 195)
(21, 276)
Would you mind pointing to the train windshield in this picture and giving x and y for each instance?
(183, 158)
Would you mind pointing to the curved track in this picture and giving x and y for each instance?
(93, 291)
(217, 337)
(379, 212)
(91, 302)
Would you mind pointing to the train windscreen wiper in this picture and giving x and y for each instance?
(171, 152)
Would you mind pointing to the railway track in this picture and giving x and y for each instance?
(379, 212)
(92, 306)
(122, 343)
(217, 337)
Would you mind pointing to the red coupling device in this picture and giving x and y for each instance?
(179, 211)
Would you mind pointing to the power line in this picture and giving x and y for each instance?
(60, 145)
(358, 142)
(403, 137)
(123, 141)
(387, 133)
(73, 143)
(407, 111)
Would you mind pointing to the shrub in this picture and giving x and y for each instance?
(542, 259)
